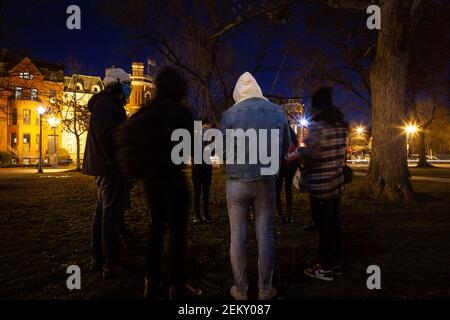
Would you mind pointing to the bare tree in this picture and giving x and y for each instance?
(72, 107)
(204, 29)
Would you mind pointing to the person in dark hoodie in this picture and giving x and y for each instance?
(144, 151)
(107, 112)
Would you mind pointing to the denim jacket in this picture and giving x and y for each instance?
(255, 113)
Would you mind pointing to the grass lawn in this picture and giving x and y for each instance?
(45, 227)
(438, 172)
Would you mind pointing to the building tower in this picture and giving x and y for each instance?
(143, 88)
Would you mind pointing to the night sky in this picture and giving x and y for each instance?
(41, 32)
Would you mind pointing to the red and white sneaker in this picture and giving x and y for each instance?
(319, 272)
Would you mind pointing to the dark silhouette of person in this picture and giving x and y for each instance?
(144, 147)
(107, 113)
(201, 180)
(287, 172)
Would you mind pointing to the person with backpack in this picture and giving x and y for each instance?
(322, 162)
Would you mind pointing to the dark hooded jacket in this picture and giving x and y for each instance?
(107, 112)
(143, 143)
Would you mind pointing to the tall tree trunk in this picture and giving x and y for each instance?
(422, 151)
(388, 175)
(78, 153)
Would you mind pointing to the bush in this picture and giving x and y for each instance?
(6, 158)
(63, 154)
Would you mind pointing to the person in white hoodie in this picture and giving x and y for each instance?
(249, 185)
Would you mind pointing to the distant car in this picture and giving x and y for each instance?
(66, 162)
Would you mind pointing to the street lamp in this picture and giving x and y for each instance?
(360, 130)
(54, 122)
(410, 130)
(41, 111)
(303, 124)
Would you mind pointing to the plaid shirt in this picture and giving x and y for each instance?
(324, 159)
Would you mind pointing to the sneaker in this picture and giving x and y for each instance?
(196, 220)
(237, 294)
(309, 227)
(267, 294)
(319, 273)
(337, 271)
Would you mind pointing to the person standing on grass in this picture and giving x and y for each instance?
(248, 188)
(287, 173)
(201, 180)
(145, 146)
(107, 113)
(322, 162)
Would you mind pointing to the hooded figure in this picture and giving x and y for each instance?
(144, 151)
(246, 88)
(250, 184)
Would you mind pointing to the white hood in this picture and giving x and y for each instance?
(246, 88)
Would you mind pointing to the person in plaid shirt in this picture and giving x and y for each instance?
(322, 162)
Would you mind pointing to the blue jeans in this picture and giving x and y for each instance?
(260, 196)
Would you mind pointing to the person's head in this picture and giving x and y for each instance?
(322, 99)
(119, 82)
(206, 123)
(246, 88)
(170, 84)
(323, 109)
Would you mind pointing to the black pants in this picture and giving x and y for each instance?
(112, 198)
(287, 173)
(168, 199)
(201, 179)
(326, 215)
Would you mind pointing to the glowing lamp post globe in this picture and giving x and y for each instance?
(303, 124)
(54, 122)
(410, 130)
(360, 130)
(41, 111)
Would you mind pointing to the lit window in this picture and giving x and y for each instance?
(52, 96)
(13, 140)
(26, 141)
(26, 116)
(19, 92)
(26, 76)
(34, 93)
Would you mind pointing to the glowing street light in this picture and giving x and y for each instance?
(410, 130)
(360, 130)
(41, 111)
(304, 122)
